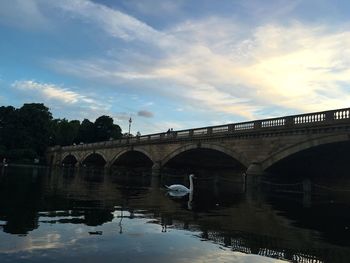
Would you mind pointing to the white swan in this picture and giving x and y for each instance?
(179, 189)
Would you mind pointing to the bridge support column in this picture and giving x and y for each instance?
(108, 165)
(253, 180)
(254, 169)
(155, 181)
(156, 169)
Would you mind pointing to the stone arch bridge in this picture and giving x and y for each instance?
(256, 145)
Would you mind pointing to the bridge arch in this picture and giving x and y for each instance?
(137, 150)
(233, 154)
(69, 159)
(96, 153)
(286, 152)
(65, 155)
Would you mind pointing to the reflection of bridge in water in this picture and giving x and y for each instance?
(240, 224)
(266, 246)
(254, 146)
(289, 246)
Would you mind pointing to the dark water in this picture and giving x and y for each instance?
(125, 216)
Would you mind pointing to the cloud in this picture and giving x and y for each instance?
(155, 7)
(220, 64)
(279, 9)
(266, 68)
(113, 22)
(145, 113)
(147, 104)
(50, 91)
(63, 101)
(24, 14)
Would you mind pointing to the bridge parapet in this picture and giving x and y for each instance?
(293, 122)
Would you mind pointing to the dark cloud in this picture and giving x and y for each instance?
(144, 113)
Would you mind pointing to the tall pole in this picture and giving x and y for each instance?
(130, 121)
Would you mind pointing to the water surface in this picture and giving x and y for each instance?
(91, 215)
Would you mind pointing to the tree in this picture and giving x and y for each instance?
(34, 124)
(7, 126)
(65, 132)
(105, 129)
(25, 133)
(86, 133)
(74, 125)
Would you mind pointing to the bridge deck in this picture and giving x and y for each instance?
(294, 123)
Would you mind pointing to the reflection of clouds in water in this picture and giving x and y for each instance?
(51, 240)
(141, 240)
(79, 230)
(30, 243)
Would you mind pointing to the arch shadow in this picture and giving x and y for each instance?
(233, 154)
(127, 151)
(64, 156)
(286, 152)
(70, 160)
(98, 153)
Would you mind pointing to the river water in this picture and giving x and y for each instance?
(91, 215)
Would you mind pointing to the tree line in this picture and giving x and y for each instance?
(26, 132)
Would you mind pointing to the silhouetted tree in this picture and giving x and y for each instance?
(75, 125)
(25, 133)
(105, 129)
(86, 132)
(7, 127)
(34, 124)
(65, 132)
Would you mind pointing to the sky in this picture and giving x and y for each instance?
(175, 63)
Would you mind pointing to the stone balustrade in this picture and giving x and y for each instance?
(316, 119)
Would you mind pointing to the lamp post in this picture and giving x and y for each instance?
(130, 121)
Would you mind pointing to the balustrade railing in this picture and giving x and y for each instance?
(244, 126)
(202, 131)
(182, 133)
(273, 123)
(341, 114)
(219, 129)
(288, 122)
(310, 118)
(155, 136)
(143, 138)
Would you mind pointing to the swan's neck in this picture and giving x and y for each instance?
(191, 184)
